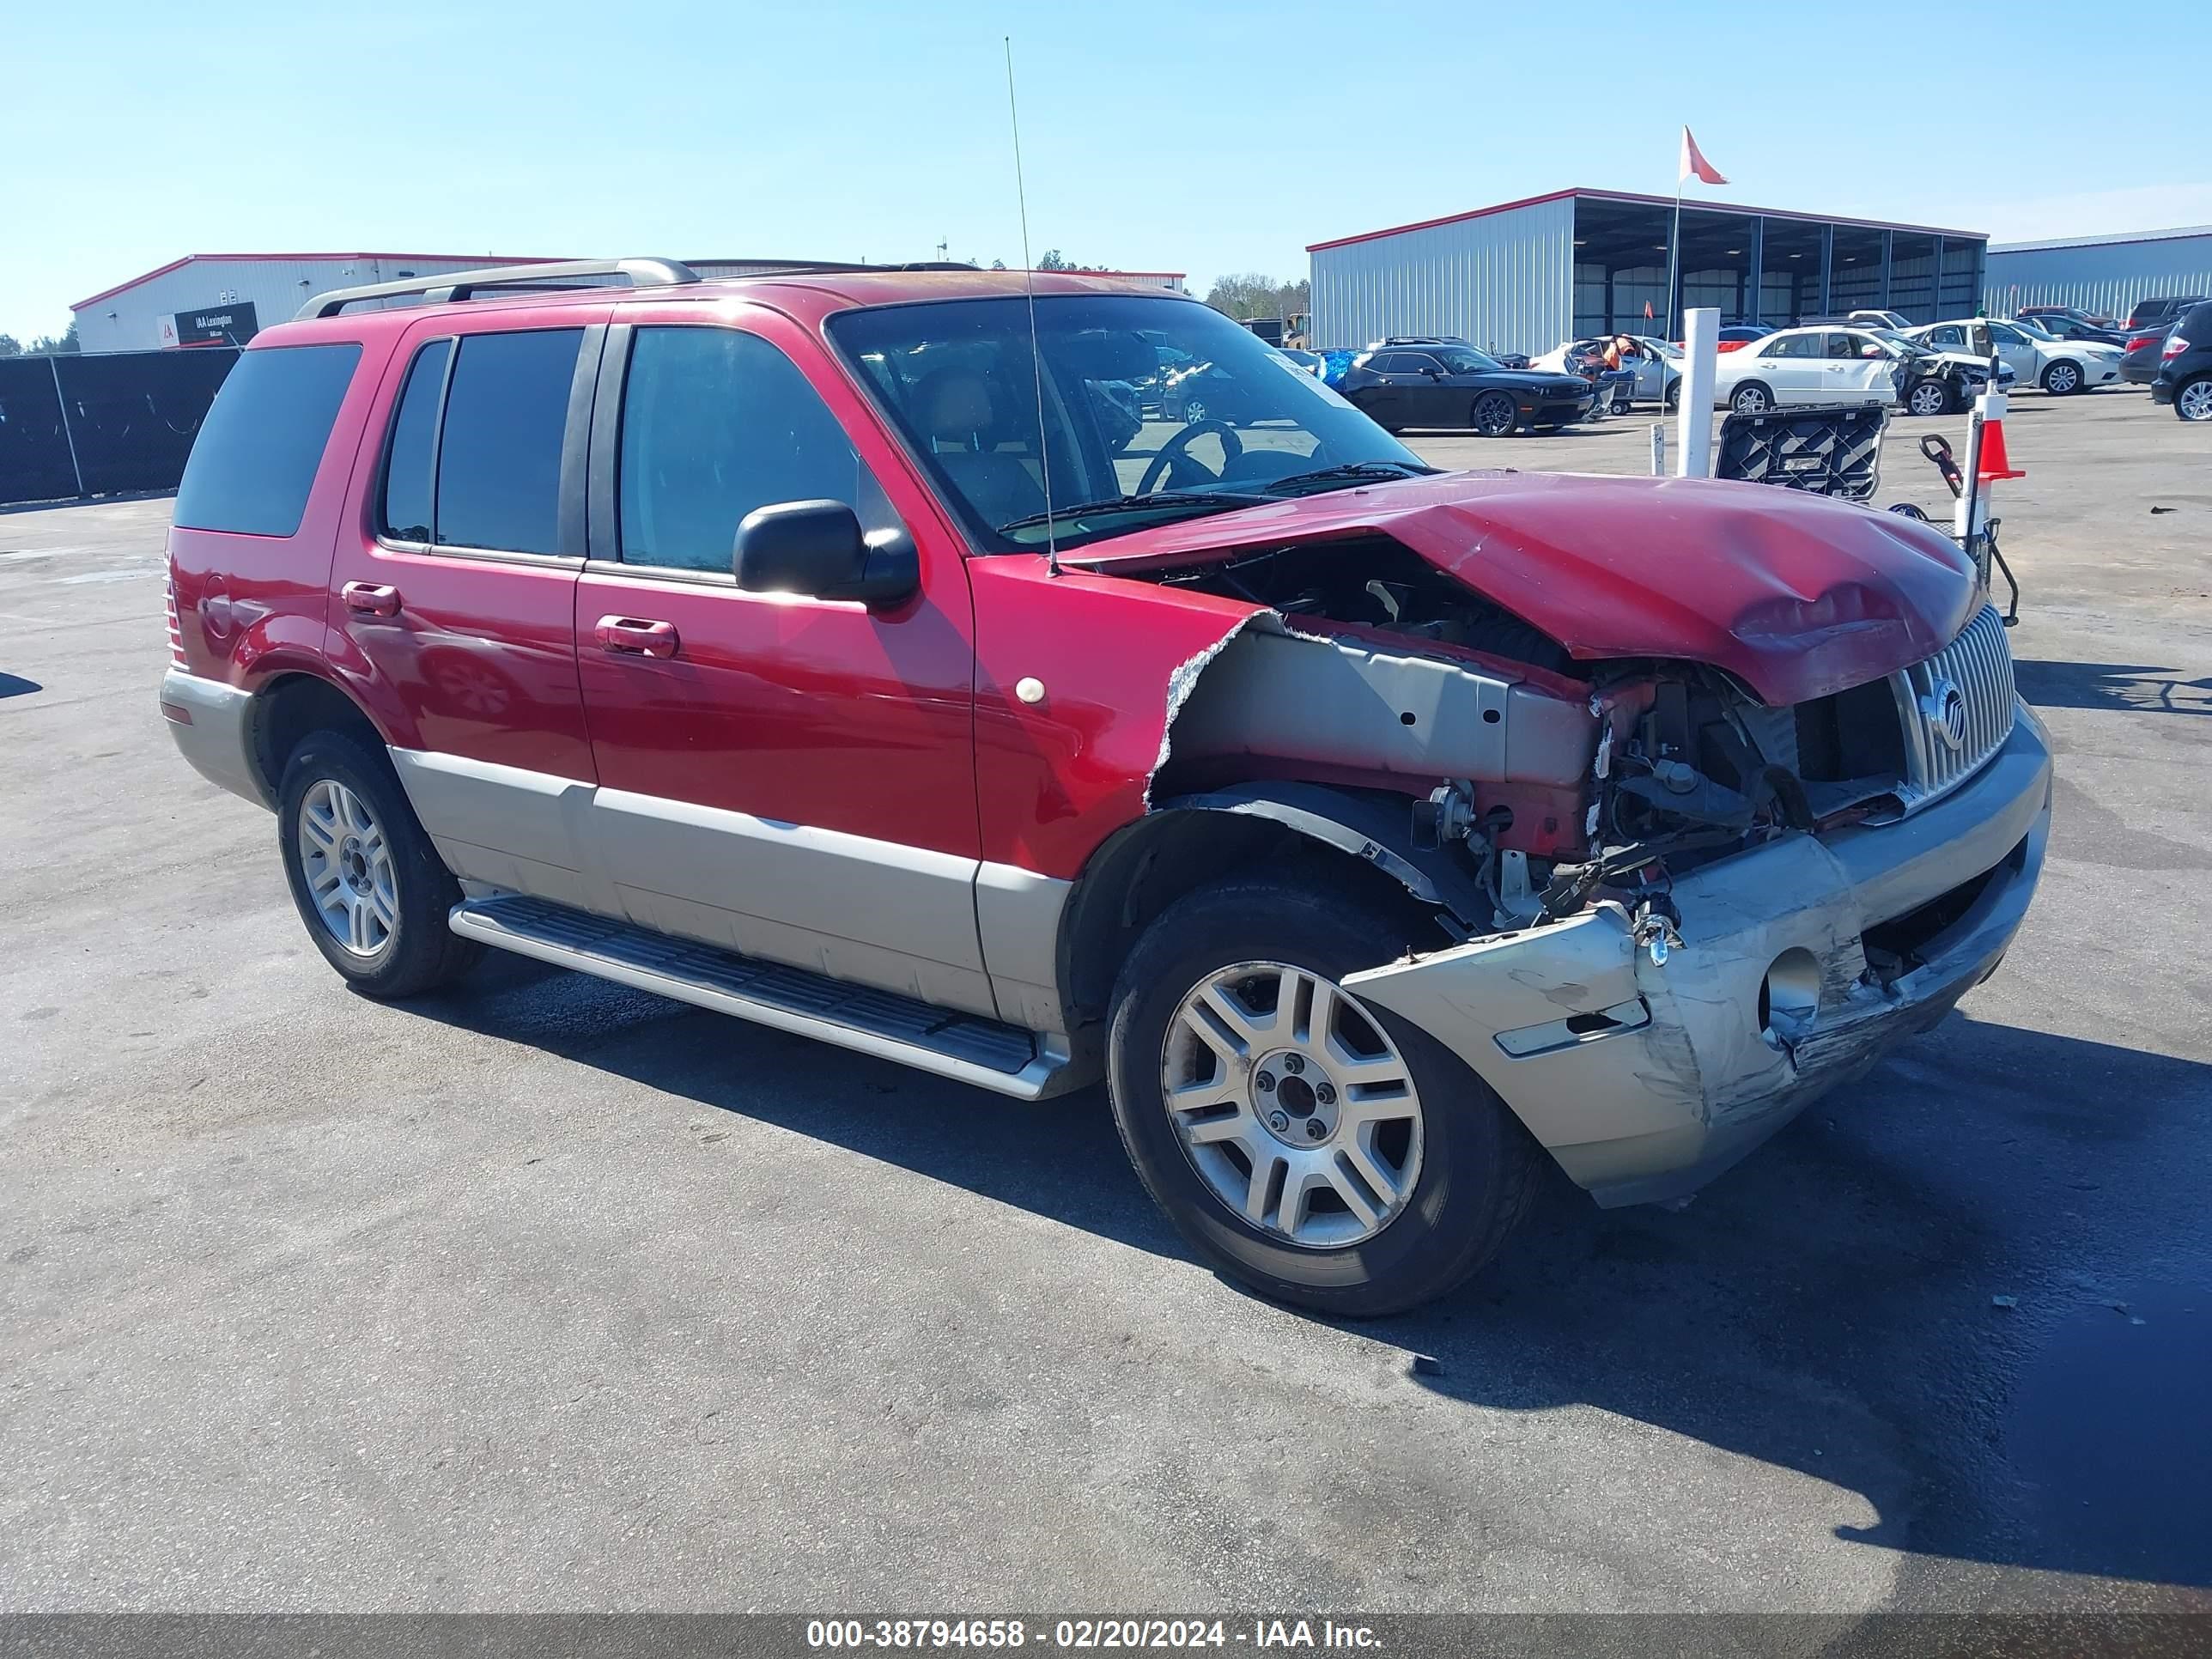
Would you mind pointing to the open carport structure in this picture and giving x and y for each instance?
(1522, 276)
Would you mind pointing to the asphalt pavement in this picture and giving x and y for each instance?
(547, 1294)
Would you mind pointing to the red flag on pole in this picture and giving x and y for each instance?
(1647, 311)
(1694, 164)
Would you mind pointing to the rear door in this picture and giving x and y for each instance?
(1791, 366)
(455, 587)
(787, 776)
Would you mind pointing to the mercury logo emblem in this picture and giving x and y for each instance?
(1945, 709)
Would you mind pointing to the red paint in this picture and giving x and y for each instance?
(1797, 596)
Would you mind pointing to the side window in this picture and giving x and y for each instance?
(1416, 363)
(499, 457)
(410, 460)
(1950, 337)
(255, 460)
(1383, 362)
(2008, 336)
(715, 423)
(1793, 345)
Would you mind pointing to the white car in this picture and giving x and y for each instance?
(1658, 371)
(2059, 367)
(1800, 366)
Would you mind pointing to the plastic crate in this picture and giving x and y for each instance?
(1826, 450)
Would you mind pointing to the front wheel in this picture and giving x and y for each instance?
(2192, 401)
(2063, 380)
(372, 890)
(1326, 1153)
(1674, 396)
(1929, 398)
(1752, 399)
(1493, 414)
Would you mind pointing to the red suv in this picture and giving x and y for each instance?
(861, 654)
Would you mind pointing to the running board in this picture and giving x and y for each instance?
(963, 1046)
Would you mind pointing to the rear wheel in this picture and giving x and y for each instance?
(1493, 414)
(370, 886)
(2062, 379)
(1324, 1152)
(2192, 401)
(1752, 398)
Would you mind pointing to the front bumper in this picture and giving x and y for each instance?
(213, 725)
(1645, 1081)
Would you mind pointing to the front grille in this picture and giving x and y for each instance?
(1977, 664)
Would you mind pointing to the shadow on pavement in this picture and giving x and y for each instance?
(1825, 1306)
(2132, 687)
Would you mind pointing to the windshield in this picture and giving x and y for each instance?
(1666, 348)
(1165, 400)
(2027, 326)
(1464, 360)
(1891, 337)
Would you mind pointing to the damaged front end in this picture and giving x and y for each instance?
(1675, 911)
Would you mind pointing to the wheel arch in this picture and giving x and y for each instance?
(288, 706)
(1353, 843)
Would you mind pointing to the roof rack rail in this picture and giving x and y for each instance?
(465, 284)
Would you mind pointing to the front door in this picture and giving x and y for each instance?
(455, 608)
(1791, 364)
(789, 777)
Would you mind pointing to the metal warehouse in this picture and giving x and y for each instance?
(2106, 275)
(1523, 276)
(226, 299)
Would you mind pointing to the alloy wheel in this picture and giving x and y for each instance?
(2062, 379)
(1751, 400)
(2195, 403)
(1493, 414)
(1929, 398)
(1293, 1104)
(346, 861)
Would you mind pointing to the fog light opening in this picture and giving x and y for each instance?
(1789, 996)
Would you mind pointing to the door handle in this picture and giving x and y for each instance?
(636, 636)
(371, 599)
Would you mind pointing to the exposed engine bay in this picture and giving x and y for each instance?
(1550, 782)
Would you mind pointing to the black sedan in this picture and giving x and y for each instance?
(1457, 385)
(2071, 323)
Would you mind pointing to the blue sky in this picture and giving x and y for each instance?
(1194, 136)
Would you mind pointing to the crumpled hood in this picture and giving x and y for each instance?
(1797, 596)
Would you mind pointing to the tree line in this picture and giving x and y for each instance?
(47, 345)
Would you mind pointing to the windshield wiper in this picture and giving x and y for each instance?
(1356, 469)
(1158, 499)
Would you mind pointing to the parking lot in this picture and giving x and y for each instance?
(551, 1294)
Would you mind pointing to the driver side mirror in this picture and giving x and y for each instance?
(1871, 351)
(817, 547)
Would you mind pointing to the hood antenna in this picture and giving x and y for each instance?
(1037, 356)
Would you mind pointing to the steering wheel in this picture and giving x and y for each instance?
(1176, 451)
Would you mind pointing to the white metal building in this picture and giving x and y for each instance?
(218, 299)
(213, 299)
(2106, 275)
(1524, 276)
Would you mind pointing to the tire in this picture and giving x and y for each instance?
(1493, 415)
(1751, 398)
(1929, 398)
(1193, 411)
(368, 857)
(1469, 1168)
(1674, 399)
(2192, 400)
(2062, 379)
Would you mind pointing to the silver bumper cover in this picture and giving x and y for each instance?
(213, 727)
(1646, 1081)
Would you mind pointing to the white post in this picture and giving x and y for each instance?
(1693, 414)
(1658, 449)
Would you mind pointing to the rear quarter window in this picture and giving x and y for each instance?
(255, 460)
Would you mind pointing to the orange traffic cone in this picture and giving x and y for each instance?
(1996, 464)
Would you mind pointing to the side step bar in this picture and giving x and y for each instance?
(962, 1047)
